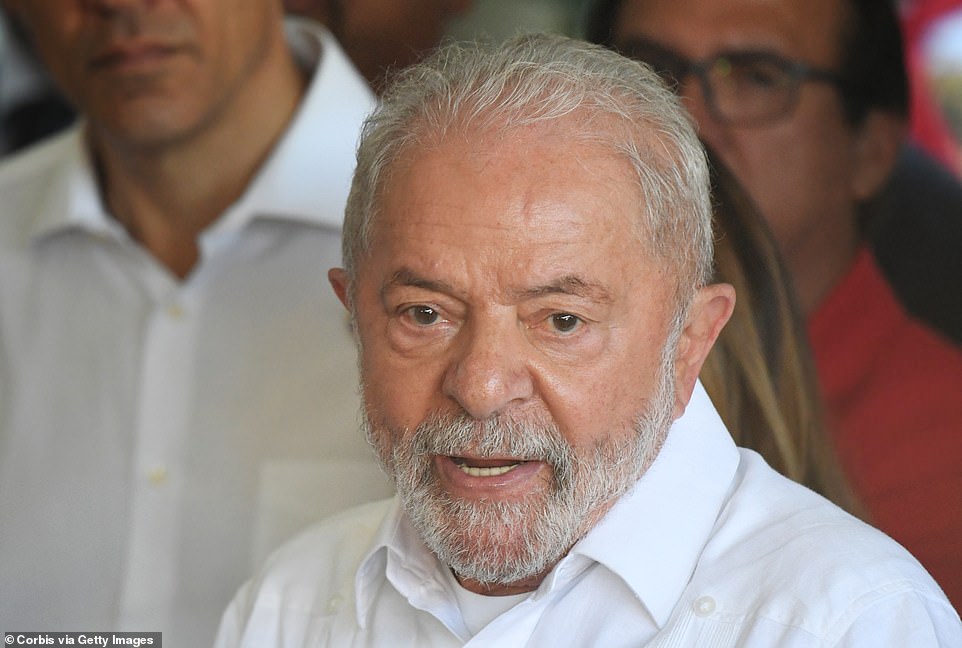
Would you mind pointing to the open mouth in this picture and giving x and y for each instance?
(486, 467)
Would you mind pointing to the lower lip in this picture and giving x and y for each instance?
(141, 61)
(520, 480)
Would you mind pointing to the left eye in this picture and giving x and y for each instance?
(424, 315)
(565, 322)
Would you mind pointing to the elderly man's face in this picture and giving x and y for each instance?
(152, 71)
(806, 169)
(512, 331)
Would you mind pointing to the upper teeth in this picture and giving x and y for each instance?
(487, 472)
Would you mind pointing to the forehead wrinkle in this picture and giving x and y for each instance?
(565, 285)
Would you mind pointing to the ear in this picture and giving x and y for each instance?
(341, 285)
(709, 311)
(878, 141)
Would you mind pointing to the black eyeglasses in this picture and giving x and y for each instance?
(744, 88)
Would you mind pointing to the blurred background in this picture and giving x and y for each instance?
(30, 109)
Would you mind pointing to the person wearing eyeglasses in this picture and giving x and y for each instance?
(806, 103)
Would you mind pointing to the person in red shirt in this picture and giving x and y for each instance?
(806, 103)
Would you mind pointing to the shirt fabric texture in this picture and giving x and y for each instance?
(712, 548)
(159, 438)
(893, 391)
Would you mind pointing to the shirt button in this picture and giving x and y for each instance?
(704, 606)
(157, 475)
(334, 604)
(175, 311)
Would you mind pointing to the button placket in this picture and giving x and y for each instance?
(164, 397)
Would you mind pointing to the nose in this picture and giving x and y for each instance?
(488, 372)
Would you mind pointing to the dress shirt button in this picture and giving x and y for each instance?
(704, 606)
(157, 475)
(334, 604)
(175, 311)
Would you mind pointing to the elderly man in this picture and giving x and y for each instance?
(805, 102)
(177, 390)
(526, 249)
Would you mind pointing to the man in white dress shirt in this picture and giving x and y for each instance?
(526, 255)
(177, 383)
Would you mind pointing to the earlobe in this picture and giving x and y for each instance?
(341, 285)
(879, 140)
(709, 311)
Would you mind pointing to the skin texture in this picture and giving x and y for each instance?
(166, 87)
(484, 248)
(808, 171)
(378, 34)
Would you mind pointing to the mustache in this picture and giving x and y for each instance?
(458, 434)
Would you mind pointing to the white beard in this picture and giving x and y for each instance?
(506, 542)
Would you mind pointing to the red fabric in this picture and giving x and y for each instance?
(893, 391)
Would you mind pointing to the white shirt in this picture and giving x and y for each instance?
(712, 548)
(158, 438)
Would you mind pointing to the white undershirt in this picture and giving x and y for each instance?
(479, 610)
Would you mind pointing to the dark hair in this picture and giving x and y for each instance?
(873, 61)
(872, 65)
(599, 21)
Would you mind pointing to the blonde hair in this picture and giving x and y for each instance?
(759, 373)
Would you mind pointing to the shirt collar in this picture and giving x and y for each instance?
(304, 179)
(652, 537)
(72, 197)
(399, 556)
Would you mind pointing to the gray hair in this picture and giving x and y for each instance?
(539, 78)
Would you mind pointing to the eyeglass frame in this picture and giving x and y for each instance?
(796, 73)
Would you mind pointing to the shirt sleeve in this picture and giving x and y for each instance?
(904, 619)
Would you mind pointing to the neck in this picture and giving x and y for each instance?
(165, 194)
(819, 264)
(498, 589)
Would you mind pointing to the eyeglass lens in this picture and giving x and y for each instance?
(738, 87)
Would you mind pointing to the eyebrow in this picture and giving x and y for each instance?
(569, 285)
(627, 46)
(565, 285)
(406, 277)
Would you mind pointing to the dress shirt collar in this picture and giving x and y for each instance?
(652, 538)
(72, 197)
(303, 180)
